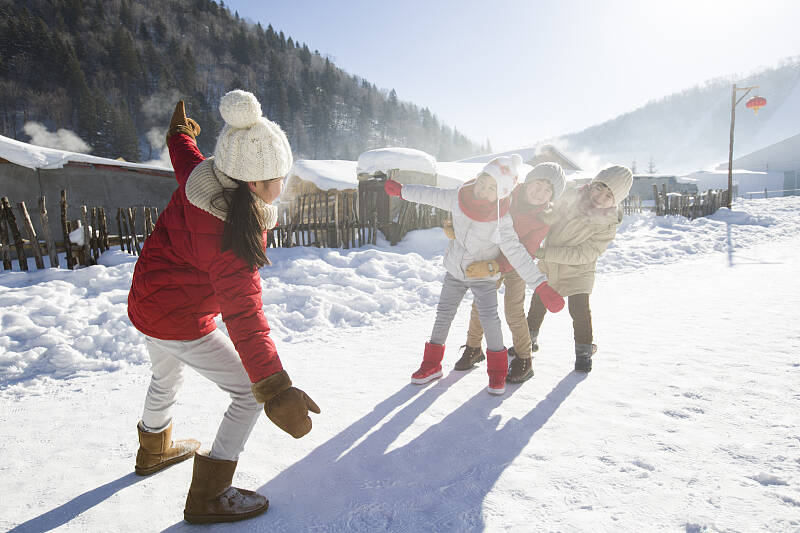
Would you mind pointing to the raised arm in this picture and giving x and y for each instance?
(182, 143)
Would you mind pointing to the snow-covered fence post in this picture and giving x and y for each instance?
(31, 233)
(52, 252)
(5, 246)
(86, 248)
(131, 213)
(93, 235)
(19, 245)
(65, 230)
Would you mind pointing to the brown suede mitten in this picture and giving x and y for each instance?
(285, 405)
(181, 124)
(483, 269)
(447, 226)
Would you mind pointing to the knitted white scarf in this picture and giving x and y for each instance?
(205, 184)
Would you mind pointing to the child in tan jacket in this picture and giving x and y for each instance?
(585, 221)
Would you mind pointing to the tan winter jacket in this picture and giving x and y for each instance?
(575, 242)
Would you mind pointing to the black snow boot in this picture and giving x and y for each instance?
(534, 338)
(469, 358)
(520, 369)
(583, 357)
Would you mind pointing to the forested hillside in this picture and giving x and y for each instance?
(111, 70)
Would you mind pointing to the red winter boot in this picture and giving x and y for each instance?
(431, 367)
(497, 368)
(553, 301)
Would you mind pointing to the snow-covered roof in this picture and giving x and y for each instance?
(36, 157)
(384, 159)
(326, 174)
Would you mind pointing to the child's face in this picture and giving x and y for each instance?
(485, 188)
(600, 195)
(538, 192)
(268, 191)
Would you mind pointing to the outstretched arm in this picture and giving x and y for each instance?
(424, 194)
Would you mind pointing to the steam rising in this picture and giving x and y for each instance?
(61, 139)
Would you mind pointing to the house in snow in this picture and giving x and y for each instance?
(775, 167)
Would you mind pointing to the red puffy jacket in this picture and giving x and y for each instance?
(183, 279)
(529, 227)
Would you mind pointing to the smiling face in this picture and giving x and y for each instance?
(538, 192)
(601, 196)
(268, 191)
(485, 188)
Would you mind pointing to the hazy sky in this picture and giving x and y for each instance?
(515, 72)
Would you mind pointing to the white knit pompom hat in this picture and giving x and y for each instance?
(617, 178)
(250, 146)
(505, 170)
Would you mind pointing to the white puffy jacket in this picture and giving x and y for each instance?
(476, 241)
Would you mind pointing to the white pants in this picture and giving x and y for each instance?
(214, 357)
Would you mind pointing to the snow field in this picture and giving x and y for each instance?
(687, 422)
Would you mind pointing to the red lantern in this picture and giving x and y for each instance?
(756, 103)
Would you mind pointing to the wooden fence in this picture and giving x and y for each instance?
(16, 244)
(331, 219)
(348, 219)
(689, 205)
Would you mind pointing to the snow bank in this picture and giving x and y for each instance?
(34, 157)
(384, 159)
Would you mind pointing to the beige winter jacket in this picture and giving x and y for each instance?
(574, 243)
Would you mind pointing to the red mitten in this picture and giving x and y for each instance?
(553, 301)
(393, 188)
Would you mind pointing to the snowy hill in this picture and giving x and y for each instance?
(688, 421)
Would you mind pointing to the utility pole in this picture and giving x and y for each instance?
(734, 102)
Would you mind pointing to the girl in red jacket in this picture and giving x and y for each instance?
(201, 260)
(529, 201)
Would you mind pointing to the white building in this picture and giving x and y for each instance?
(779, 163)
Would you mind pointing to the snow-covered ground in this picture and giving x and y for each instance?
(687, 422)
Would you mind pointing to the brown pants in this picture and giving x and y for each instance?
(578, 309)
(514, 307)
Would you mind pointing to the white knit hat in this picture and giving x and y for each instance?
(619, 179)
(551, 172)
(250, 146)
(505, 170)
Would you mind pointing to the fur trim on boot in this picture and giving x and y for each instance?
(211, 497)
(157, 450)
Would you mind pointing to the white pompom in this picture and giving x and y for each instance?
(240, 109)
(516, 159)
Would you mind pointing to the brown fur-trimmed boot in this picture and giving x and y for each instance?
(211, 497)
(158, 451)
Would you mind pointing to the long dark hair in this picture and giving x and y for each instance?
(244, 226)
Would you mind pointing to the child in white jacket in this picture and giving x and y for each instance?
(483, 228)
